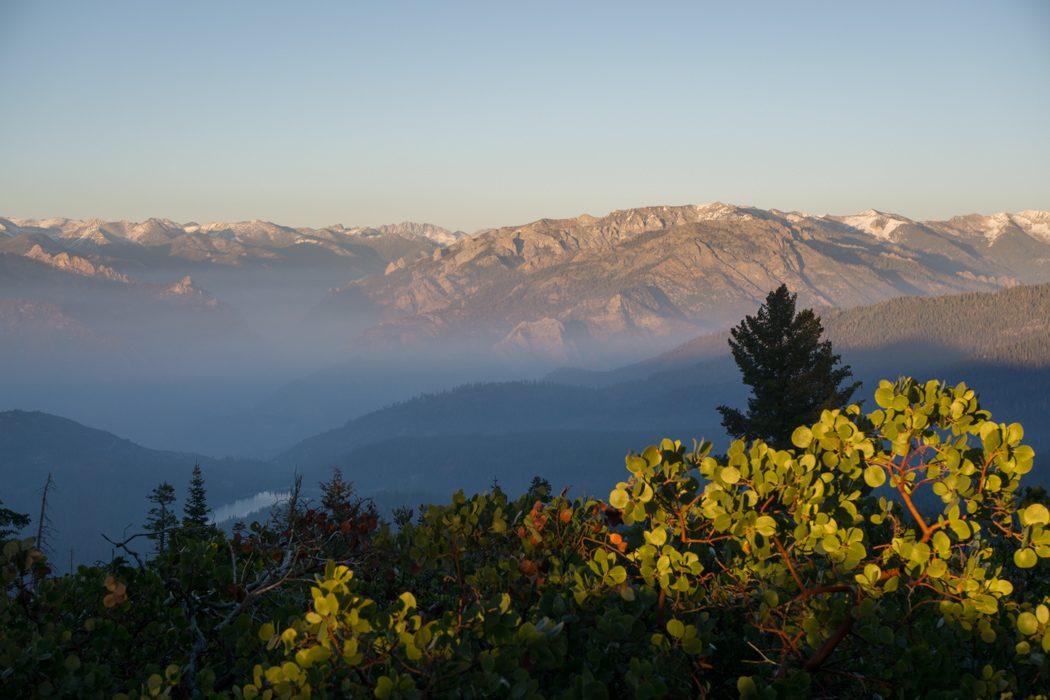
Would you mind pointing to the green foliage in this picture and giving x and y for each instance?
(195, 510)
(892, 554)
(183, 624)
(11, 522)
(540, 488)
(337, 495)
(161, 518)
(792, 373)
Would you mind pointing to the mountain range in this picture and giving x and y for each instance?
(560, 289)
(126, 243)
(111, 296)
(214, 330)
(571, 287)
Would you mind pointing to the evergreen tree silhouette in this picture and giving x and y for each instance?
(11, 522)
(195, 510)
(161, 516)
(793, 374)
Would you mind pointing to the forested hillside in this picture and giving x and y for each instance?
(1010, 327)
(505, 408)
(803, 572)
(101, 480)
(1007, 326)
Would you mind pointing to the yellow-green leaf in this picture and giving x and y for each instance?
(874, 476)
(1027, 623)
(675, 628)
(1035, 514)
(802, 437)
(1025, 558)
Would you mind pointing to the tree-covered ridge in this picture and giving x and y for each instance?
(956, 322)
(1011, 326)
(34, 444)
(500, 408)
(808, 571)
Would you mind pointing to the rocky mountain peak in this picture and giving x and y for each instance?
(184, 291)
(74, 264)
(183, 286)
(990, 229)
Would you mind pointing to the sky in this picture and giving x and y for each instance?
(472, 115)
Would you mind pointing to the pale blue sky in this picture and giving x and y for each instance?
(481, 114)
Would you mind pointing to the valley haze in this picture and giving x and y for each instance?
(260, 349)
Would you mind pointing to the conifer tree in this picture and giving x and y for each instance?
(161, 516)
(793, 374)
(337, 495)
(540, 489)
(195, 510)
(11, 522)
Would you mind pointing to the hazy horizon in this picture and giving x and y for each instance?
(349, 224)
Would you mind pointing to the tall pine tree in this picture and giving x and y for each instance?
(161, 518)
(195, 510)
(793, 374)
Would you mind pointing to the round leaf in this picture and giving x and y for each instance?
(675, 628)
(802, 437)
(874, 476)
(1025, 558)
(937, 568)
(1027, 623)
(884, 396)
(766, 526)
(730, 475)
(1035, 514)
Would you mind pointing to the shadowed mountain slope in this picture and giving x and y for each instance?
(101, 480)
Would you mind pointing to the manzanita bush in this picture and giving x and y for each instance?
(892, 554)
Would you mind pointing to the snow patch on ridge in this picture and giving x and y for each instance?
(874, 222)
(1035, 223)
(715, 210)
(994, 226)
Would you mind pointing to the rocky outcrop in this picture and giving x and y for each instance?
(75, 264)
(545, 336)
(184, 291)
